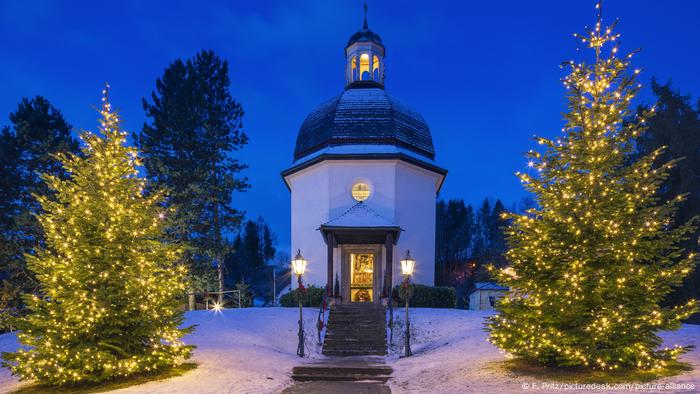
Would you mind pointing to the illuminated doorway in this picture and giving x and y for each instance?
(360, 273)
(361, 277)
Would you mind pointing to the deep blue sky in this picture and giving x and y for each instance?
(485, 75)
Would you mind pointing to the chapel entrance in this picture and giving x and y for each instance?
(361, 273)
(362, 277)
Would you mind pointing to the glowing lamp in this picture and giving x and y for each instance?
(299, 264)
(408, 264)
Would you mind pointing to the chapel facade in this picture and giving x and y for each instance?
(363, 184)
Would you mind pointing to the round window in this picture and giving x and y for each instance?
(360, 191)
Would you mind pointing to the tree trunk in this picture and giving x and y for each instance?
(218, 257)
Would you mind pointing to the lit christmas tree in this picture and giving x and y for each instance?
(108, 305)
(590, 265)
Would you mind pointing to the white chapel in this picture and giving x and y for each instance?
(363, 184)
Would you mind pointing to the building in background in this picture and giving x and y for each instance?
(484, 296)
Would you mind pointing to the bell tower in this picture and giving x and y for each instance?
(365, 58)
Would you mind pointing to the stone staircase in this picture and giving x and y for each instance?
(342, 372)
(357, 329)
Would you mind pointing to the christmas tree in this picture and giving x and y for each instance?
(108, 303)
(591, 264)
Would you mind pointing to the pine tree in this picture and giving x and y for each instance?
(677, 125)
(250, 252)
(267, 239)
(108, 303)
(39, 131)
(453, 239)
(592, 263)
(482, 233)
(189, 149)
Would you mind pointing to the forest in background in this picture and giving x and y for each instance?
(193, 158)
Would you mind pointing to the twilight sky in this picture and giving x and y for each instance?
(485, 75)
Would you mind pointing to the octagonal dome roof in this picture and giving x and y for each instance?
(365, 35)
(364, 114)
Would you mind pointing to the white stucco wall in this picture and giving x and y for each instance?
(310, 207)
(415, 213)
(402, 193)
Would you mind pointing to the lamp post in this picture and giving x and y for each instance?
(407, 266)
(298, 267)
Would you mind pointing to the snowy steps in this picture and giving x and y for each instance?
(331, 372)
(342, 375)
(356, 329)
(325, 387)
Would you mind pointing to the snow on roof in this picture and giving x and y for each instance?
(360, 215)
(360, 149)
(362, 115)
(489, 286)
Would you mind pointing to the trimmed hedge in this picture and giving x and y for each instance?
(428, 296)
(314, 295)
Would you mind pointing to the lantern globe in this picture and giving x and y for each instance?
(408, 264)
(299, 264)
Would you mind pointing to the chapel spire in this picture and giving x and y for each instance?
(365, 58)
(364, 25)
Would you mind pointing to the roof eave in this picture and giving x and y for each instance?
(345, 230)
(366, 156)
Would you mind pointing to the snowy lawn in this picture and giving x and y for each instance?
(249, 350)
(451, 355)
(253, 351)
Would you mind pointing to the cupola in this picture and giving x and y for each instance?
(365, 58)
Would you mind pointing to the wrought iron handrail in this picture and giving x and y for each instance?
(390, 324)
(322, 317)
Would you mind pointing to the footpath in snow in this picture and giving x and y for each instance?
(253, 350)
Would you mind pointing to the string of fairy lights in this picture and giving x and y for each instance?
(591, 264)
(110, 283)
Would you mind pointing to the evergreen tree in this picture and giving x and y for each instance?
(442, 229)
(233, 261)
(267, 238)
(481, 236)
(453, 239)
(251, 253)
(497, 242)
(38, 132)
(10, 250)
(108, 302)
(189, 149)
(11, 258)
(495, 222)
(591, 265)
(676, 126)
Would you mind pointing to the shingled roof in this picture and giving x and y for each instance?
(364, 114)
(365, 35)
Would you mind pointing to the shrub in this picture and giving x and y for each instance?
(428, 296)
(246, 295)
(314, 295)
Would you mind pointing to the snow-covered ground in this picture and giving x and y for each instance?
(250, 350)
(253, 351)
(451, 355)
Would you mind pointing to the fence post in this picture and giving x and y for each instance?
(192, 301)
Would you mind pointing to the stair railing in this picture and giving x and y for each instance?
(322, 318)
(390, 324)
